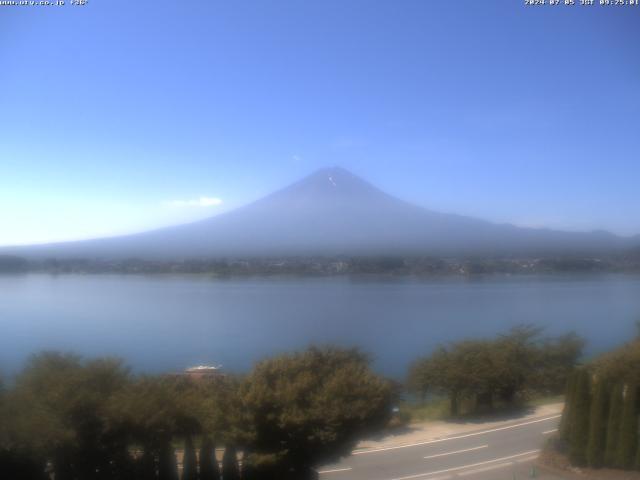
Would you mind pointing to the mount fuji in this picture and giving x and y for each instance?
(334, 212)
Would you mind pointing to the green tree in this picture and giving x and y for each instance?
(167, 467)
(312, 407)
(465, 370)
(557, 358)
(566, 420)
(230, 470)
(153, 411)
(598, 424)
(263, 467)
(189, 461)
(579, 429)
(628, 439)
(249, 471)
(209, 469)
(61, 410)
(622, 364)
(147, 466)
(516, 356)
(613, 425)
(505, 369)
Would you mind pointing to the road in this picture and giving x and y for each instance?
(505, 452)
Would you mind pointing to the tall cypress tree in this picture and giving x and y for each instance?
(248, 467)
(613, 426)
(598, 425)
(209, 469)
(565, 421)
(230, 470)
(579, 428)
(167, 467)
(628, 439)
(147, 465)
(189, 462)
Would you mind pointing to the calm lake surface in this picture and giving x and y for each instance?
(165, 323)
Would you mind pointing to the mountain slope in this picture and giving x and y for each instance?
(334, 212)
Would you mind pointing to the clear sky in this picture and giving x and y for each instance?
(124, 115)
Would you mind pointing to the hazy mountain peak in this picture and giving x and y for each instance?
(333, 211)
(329, 183)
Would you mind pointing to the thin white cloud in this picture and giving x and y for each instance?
(196, 202)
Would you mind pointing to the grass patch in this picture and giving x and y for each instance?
(541, 401)
(438, 408)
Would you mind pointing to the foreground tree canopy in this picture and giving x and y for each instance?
(480, 373)
(84, 420)
(313, 406)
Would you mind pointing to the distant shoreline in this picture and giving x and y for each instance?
(380, 266)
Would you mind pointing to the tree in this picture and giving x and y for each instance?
(622, 364)
(598, 424)
(230, 470)
(167, 467)
(312, 407)
(517, 355)
(209, 469)
(557, 358)
(61, 411)
(503, 369)
(628, 439)
(613, 425)
(249, 471)
(566, 420)
(153, 411)
(189, 461)
(579, 429)
(147, 466)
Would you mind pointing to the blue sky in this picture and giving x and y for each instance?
(122, 116)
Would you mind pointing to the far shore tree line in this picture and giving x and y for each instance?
(421, 265)
(83, 419)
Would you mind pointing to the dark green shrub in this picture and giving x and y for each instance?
(189, 462)
(579, 428)
(209, 469)
(613, 426)
(628, 439)
(598, 425)
(167, 467)
(230, 470)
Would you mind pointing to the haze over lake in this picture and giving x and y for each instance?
(166, 323)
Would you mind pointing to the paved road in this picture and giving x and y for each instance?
(505, 452)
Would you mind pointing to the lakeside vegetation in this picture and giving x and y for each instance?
(599, 426)
(92, 419)
(628, 262)
(504, 372)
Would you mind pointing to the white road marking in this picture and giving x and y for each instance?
(457, 451)
(527, 459)
(384, 449)
(336, 470)
(547, 432)
(426, 474)
(485, 469)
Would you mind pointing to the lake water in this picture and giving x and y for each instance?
(165, 323)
